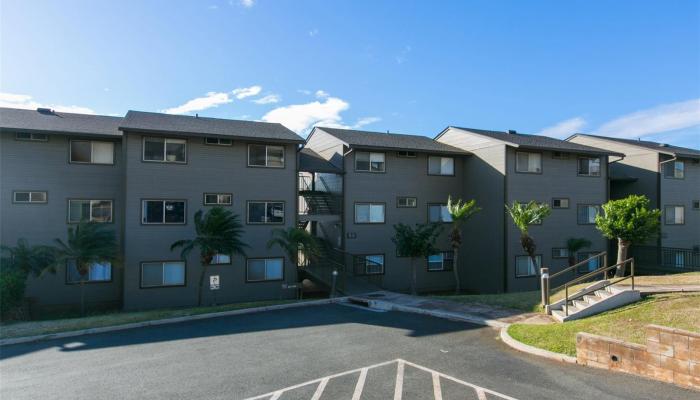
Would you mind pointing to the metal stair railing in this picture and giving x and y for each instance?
(574, 268)
(594, 273)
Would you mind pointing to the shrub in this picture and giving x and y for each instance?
(12, 286)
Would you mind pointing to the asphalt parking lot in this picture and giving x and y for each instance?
(315, 352)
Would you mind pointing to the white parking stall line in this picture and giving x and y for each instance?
(480, 394)
(277, 395)
(437, 390)
(360, 384)
(319, 390)
(398, 388)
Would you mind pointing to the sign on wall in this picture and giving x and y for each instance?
(214, 282)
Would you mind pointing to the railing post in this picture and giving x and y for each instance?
(544, 272)
(632, 272)
(566, 300)
(605, 265)
(334, 277)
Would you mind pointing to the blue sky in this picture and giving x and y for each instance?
(623, 68)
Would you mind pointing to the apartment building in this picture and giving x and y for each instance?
(384, 179)
(507, 167)
(55, 170)
(670, 177)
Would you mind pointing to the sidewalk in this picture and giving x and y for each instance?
(477, 313)
(654, 289)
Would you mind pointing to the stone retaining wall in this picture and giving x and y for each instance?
(670, 355)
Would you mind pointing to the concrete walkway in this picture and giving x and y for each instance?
(654, 289)
(487, 314)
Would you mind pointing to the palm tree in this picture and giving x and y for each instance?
(524, 215)
(295, 242)
(218, 231)
(28, 259)
(573, 245)
(415, 243)
(88, 243)
(460, 213)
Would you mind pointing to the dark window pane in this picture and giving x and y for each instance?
(362, 161)
(256, 270)
(151, 274)
(102, 211)
(210, 198)
(23, 136)
(174, 212)
(22, 197)
(256, 155)
(175, 150)
(154, 149)
(275, 212)
(78, 210)
(153, 213)
(80, 151)
(256, 212)
(275, 156)
(73, 273)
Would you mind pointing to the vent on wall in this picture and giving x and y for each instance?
(512, 132)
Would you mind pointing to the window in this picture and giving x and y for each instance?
(560, 252)
(528, 162)
(372, 264)
(369, 162)
(560, 203)
(406, 202)
(262, 155)
(369, 213)
(91, 152)
(221, 259)
(163, 211)
(589, 166)
(264, 269)
(406, 154)
(558, 155)
(89, 210)
(696, 204)
(441, 166)
(34, 137)
(96, 272)
(675, 215)
(591, 265)
(29, 197)
(438, 213)
(587, 213)
(162, 273)
(674, 170)
(217, 199)
(218, 141)
(443, 261)
(265, 212)
(164, 150)
(524, 266)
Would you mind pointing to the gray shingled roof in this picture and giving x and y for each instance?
(395, 141)
(656, 146)
(150, 122)
(14, 119)
(310, 161)
(539, 142)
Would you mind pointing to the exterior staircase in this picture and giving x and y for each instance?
(593, 299)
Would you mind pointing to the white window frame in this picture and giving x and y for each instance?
(406, 154)
(162, 280)
(588, 206)
(31, 195)
(267, 205)
(92, 202)
(165, 149)
(441, 173)
(590, 160)
(528, 171)
(369, 165)
(442, 255)
(530, 266)
(676, 174)
(266, 278)
(560, 199)
(90, 276)
(143, 211)
(676, 220)
(92, 152)
(560, 252)
(368, 264)
(267, 156)
(443, 214)
(407, 200)
(218, 141)
(33, 137)
(216, 259)
(370, 205)
(219, 197)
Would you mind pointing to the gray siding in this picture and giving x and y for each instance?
(217, 169)
(44, 166)
(682, 192)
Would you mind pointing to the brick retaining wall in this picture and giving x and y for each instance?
(670, 355)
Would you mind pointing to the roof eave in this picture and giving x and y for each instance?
(392, 148)
(60, 132)
(203, 134)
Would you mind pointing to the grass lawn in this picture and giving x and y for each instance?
(16, 329)
(530, 301)
(626, 323)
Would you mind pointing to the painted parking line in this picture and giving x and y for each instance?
(399, 390)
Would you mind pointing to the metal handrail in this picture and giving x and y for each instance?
(593, 273)
(605, 262)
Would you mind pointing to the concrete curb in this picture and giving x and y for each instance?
(175, 320)
(525, 348)
(385, 305)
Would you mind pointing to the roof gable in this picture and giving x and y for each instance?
(391, 141)
(48, 121)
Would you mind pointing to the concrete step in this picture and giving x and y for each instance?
(558, 304)
(608, 301)
(603, 293)
(592, 298)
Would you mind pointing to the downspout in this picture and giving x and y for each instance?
(506, 256)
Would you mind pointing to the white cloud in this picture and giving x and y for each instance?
(247, 3)
(24, 101)
(269, 99)
(663, 118)
(565, 128)
(212, 99)
(242, 93)
(321, 94)
(304, 91)
(313, 32)
(365, 121)
(301, 117)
